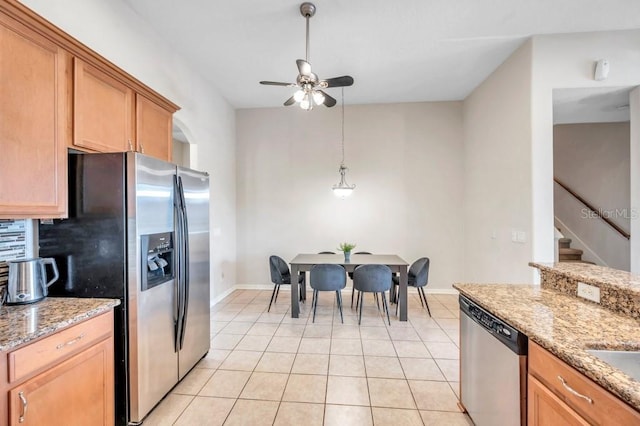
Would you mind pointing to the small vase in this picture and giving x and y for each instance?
(347, 256)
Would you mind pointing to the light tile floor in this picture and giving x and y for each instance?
(266, 368)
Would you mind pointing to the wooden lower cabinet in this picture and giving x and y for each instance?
(545, 408)
(558, 394)
(73, 388)
(77, 392)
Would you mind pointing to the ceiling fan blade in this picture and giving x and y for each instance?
(277, 83)
(345, 80)
(329, 101)
(289, 101)
(304, 67)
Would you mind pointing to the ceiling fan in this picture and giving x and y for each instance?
(310, 88)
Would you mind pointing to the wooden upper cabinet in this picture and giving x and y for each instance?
(153, 129)
(34, 123)
(102, 111)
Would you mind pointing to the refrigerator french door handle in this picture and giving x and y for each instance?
(178, 263)
(185, 258)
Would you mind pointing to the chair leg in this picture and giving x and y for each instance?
(353, 292)
(314, 303)
(375, 295)
(420, 296)
(386, 307)
(360, 299)
(425, 300)
(339, 299)
(273, 294)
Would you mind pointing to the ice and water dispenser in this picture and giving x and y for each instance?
(157, 259)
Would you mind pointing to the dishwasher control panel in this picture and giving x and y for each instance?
(511, 337)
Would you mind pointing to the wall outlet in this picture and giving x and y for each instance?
(589, 292)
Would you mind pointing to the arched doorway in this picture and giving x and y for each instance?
(184, 147)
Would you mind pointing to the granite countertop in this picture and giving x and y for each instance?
(20, 324)
(566, 326)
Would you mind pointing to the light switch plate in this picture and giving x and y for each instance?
(589, 292)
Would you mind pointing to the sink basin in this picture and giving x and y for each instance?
(625, 361)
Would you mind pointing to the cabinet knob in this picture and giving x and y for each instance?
(130, 145)
(141, 147)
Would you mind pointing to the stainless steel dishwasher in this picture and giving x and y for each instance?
(493, 368)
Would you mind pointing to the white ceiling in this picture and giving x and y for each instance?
(397, 51)
(591, 105)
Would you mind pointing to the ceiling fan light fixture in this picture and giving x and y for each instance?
(299, 95)
(318, 97)
(307, 82)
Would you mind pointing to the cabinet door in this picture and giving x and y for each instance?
(153, 129)
(79, 391)
(34, 123)
(102, 113)
(546, 409)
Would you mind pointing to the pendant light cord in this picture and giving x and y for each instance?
(342, 163)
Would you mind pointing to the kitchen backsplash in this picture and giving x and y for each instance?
(15, 243)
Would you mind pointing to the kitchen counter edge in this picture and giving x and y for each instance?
(560, 329)
(20, 324)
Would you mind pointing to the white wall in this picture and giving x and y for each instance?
(405, 159)
(593, 160)
(497, 167)
(567, 61)
(634, 109)
(112, 29)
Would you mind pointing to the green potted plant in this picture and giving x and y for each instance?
(346, 249)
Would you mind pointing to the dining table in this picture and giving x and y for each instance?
(304, 262)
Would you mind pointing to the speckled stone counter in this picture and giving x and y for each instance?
(20, 324)
(619, 290)
(565, 326)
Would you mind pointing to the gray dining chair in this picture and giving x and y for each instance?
(327, 277)
(418, 277)
(280, 275)
(353, 291)
(372, 279)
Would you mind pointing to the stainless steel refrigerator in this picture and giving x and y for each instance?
(138, 230)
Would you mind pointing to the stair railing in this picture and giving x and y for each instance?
(597, 212)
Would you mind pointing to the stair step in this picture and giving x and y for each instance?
(578, 261)
(565, 257)
(570, 251)
(564, 242)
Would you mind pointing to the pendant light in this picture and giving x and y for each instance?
(343, 189)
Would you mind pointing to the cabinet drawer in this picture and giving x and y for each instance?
(604, 407)
(38, 355)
